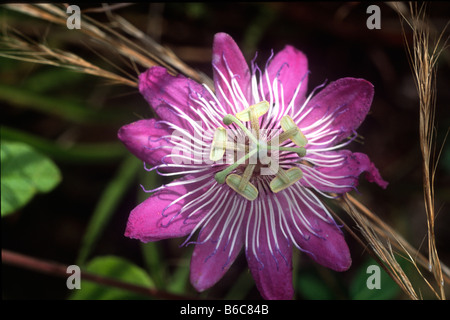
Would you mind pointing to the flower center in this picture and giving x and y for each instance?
(256, 157)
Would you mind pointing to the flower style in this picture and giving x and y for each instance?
(254, 157)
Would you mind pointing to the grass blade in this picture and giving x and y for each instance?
(112, 195)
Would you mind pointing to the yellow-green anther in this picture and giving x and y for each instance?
(257, 110)
(297, 136)
(246, 176)
(285, 179)
(249, 191)
(252, 114)
(286, 135)
(282, 174)
(219, 144)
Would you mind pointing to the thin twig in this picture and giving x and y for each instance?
(60, 270)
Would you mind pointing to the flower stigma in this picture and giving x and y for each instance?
(258, 153)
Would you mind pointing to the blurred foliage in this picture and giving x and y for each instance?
(114, 268)
(25, 172)
(55, 115)
(385, 289)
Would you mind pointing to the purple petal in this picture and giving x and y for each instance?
(144, 139)
(157, 218)
(271, 262)
(164, 92)
(343, 178)
(212, 259)
(326, 244)
(227, 59)
(290, 67)
(348, 100)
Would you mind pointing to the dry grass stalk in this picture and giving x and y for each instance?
(381, 238)
(386, 232)
(423, 58)
(30, 51)
(166, 55)
(133, 45)
(380, 250)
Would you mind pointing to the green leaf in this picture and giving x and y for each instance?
(24, 172)
(116, 268)
(368, 273)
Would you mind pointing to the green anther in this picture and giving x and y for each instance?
(221, 176)
(258, 110)
(285, 179)
(219, 144)
(297, 137)
(249, 191)
(286, 135)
